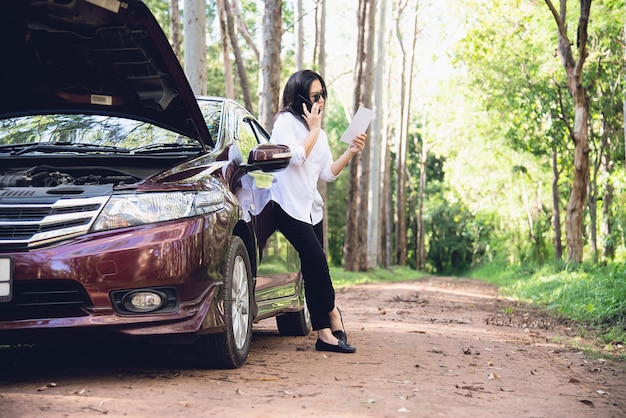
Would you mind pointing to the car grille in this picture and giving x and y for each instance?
(37, 299)
(24, 226)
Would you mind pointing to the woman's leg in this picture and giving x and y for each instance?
(318, 287)
(336, 323)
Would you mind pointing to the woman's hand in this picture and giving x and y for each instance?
(357, 144)
(314, 117)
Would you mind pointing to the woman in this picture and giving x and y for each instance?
(298, 204)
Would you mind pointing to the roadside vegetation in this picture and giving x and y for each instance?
(342, 278)
(590, 294)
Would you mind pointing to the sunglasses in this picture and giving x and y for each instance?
(317, 96)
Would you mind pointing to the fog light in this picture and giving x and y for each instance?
(143, 301)
(155, 300)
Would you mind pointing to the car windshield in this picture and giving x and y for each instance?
(87, 133)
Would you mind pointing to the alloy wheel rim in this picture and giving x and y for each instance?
(240, 302)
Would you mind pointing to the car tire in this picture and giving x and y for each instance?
(229, 349)
(295, 323)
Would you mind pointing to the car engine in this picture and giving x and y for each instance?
(49, 177)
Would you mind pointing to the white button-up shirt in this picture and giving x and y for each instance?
(295, 187)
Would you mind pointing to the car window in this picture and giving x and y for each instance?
(212, 113)
(79, 131)
(246, 137)
(262, 135)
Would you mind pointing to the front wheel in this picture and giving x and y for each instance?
(229, 350)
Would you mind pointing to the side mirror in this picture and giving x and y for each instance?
(268, 158)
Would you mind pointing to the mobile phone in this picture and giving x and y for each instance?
(307, 101)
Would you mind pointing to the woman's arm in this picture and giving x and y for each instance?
(354, 149)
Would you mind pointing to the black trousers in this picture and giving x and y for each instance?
(308, 240)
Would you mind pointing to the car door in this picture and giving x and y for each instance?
(278, 277)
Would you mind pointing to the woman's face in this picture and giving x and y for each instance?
(317, 94)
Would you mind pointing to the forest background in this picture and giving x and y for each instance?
(497, 149)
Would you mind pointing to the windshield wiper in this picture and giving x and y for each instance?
(14, 147)
(54, 147)
(165, 147)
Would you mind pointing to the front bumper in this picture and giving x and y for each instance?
(184, 255)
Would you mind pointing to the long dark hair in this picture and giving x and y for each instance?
(299, 84)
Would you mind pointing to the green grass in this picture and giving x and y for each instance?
(587, 293)
(342, 278)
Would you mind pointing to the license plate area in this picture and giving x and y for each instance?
(6, 279)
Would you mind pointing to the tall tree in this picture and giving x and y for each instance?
(580, 133)
(420, 245)
(319, 51)
(606, 65)
(269, 72)
(319, 57)
(358, 211)
(299, 29)
(243, 29)
(377, 137)
(556, 204)
(406, 77)
(175, 28)
(195, 45)
(241, 68)
(224, 36)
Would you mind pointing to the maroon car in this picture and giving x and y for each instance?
(129, 207)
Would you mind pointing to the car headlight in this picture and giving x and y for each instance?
(145, 208)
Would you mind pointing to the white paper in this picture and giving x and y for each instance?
(359, 124)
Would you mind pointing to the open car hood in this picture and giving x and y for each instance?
(105, 57)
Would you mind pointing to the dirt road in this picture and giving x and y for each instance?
(431, 348)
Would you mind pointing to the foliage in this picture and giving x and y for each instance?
(160, 10)
(526, 113)
(342, 278)
(618, 235)
(587, 293)
(336, 201)
(457, 237)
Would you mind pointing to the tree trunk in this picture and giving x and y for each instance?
(608, 252)
(241, 68)
(593, 218)
(299, 29)
(195, 45)
(319, 57)
(269, 72)
(358, 211)
(556, 206)
(319, 52)
(406, 77)
(243, 30)
(365, 99)
(376, 220)
(580, 134)
(228, 72)
(175, 28)
(386, 210)
(420, 247)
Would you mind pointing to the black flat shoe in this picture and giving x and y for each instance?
(341, 347)
(341, 336)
